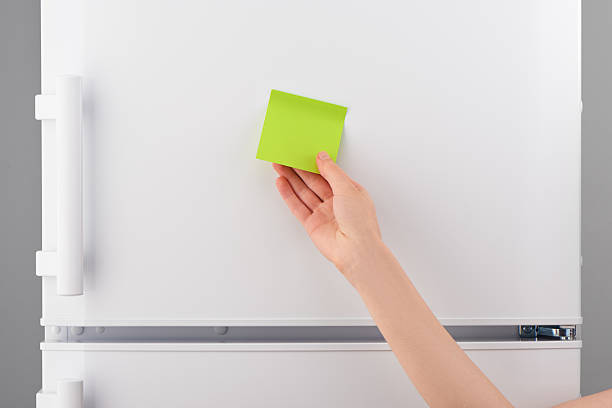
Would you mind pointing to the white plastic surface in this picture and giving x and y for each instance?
(45, 107)
(69, 186)
(46, 263)
(68, 394)
(463, 123)
(65, 112)
(282, 375)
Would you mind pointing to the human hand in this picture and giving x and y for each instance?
(336, 212)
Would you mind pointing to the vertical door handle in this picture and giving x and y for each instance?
(66, 262)
(69, 395)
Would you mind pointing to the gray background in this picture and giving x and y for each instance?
(596, 195)
(20, 331)
(20, 220)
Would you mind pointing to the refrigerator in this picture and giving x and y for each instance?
(173, 275)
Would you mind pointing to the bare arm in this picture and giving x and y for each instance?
(340, 218)
(600, 400)
(442, 373)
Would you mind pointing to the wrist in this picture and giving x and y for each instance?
(365, 259)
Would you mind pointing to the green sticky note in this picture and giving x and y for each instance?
(297, 128)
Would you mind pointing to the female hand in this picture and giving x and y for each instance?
(336, 212)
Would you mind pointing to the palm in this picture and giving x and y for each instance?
(322, 228)
(336, 216)
(310, 198)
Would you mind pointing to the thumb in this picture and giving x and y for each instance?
(335, 176)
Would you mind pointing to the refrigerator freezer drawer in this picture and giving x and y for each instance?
(292, 374)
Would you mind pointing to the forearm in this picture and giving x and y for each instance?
(443, 374)
(600, 400)
(340, 218)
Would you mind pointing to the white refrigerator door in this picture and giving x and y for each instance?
(291, 375)
(463, 123)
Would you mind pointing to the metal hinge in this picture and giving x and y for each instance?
(548, 332)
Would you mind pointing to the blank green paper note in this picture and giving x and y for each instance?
(297, 128)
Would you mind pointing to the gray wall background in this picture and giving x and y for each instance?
(20, 220)
(597, 195)
(20, 331)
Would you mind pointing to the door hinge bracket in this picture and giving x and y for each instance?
(69, 395)
(46, 263)
(560, 332)
(44, 107)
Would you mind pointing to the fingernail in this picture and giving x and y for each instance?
(323, 155)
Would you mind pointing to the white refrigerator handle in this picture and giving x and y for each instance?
(66, 262)
(69, 395)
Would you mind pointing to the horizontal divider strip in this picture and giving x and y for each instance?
(348, 321)
(270, 334)
(289, 347)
